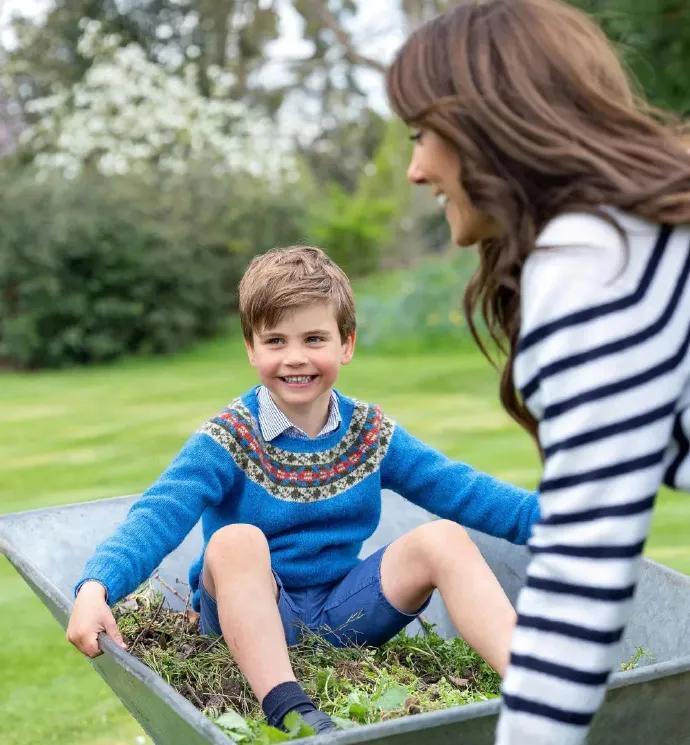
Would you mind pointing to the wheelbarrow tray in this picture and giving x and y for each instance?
(646, 705)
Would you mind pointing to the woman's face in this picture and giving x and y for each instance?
(436, 162)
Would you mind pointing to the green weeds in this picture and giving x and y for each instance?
(639, 654)
(353, 685)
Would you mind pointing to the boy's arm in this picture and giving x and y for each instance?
(199, 476)
(456, 491)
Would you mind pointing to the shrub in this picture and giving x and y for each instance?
(98, 267)
(424, 308)
(351, 228)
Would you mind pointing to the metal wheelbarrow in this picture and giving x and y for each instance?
(650, 704)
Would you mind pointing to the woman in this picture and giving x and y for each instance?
(578, 195)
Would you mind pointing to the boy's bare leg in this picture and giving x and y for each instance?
(237, 572)
(440, 554)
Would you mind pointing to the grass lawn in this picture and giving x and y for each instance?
(76, 435)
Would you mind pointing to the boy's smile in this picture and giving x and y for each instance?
(299, 359)
(298, 381)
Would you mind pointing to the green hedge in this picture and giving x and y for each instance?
(351, 228)
(95, 268)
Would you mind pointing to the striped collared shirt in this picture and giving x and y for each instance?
(273, 422)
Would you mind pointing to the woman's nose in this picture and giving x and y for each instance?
(415, 175)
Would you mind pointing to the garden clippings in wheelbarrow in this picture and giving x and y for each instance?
(353, 685)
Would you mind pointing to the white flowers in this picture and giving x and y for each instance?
(129, 113)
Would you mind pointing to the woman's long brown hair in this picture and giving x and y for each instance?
(539, 107)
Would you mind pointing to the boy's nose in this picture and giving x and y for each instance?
(295, 358)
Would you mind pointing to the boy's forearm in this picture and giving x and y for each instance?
(161, 518)
(457, 491)
(510, 511)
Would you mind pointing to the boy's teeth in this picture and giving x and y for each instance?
(442, 199)
(298, 378)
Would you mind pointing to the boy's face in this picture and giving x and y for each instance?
(299, 359)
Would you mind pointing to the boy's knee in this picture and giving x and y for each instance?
(439, 538)
(449, 530)
(239, 543)
(442, 530)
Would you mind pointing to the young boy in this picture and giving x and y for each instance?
(287, 481)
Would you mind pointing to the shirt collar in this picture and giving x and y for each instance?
(273, 422)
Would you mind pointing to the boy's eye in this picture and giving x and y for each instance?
(314, 339)
(273, 341)
(416, 136)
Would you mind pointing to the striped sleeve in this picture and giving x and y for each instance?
(602, 364)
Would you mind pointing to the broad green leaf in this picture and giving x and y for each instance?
(357, 697)
(359, 712)
(268, 735)
(297, 727)
(392, 698)
(233, 722)
(342, 723)
(322, 678)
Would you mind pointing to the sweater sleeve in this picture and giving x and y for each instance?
(455, 490)
(200, 475)
(598, 366)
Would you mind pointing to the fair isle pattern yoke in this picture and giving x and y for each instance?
(303, 477)
(315, 500)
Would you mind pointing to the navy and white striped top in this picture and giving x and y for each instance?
(603, 366)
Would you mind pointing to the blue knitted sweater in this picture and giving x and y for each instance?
(315, 500)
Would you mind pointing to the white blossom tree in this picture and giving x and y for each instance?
(130, 114)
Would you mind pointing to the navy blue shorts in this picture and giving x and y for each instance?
(352, 611)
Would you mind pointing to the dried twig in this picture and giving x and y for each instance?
(156, 575)
(149, 624)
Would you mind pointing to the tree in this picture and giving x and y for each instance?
(418, 11)
(226, 34)
(223, 38)
(128, 113)
(46, 55)
(654, 40)
(320, 17)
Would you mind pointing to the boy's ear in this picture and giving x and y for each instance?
(249, 346)
(349, 348)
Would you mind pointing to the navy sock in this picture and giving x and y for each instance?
(284, 698)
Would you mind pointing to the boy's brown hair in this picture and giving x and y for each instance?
(284, 279)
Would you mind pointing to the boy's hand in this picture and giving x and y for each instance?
(90, 616)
